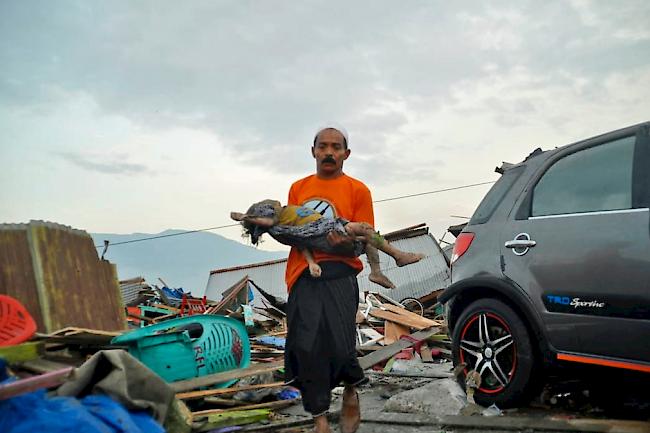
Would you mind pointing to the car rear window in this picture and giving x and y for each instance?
(495, 195)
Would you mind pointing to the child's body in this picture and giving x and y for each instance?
(307, 230)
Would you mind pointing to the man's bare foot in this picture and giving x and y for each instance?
(315, 270)
(350, 413)
(403, 259)
(381, 279)
(321, 425)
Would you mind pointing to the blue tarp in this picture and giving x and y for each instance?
(35, 412)
(174, 294)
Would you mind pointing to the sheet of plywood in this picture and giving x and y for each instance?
(394, 331)
(412, 315)
(399, 318)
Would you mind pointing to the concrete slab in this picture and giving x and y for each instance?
(440, 397)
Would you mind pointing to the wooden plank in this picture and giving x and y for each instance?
(73, 330)
(270, 405)
(369, 348)
(425, 353)
(412, 315)
(211, 379)
(166, 307)
(82, 336)
(237, 418)
(393, 331)
(398, 318)
(139, 317)
(388, 351)
(333, 416)
(212, 392)
(430, 297)
(159, 319)
(220, 401)
(22, 352)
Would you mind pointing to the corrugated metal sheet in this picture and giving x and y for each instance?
(131, 289)
(268, 275)
(72, 286)
(416, 280)
(17, 271)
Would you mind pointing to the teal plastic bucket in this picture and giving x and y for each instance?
(188, 347)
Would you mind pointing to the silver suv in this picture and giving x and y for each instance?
(554, 266)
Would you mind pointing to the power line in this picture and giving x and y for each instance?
(434, 192)
(169, 235)
(236, 224)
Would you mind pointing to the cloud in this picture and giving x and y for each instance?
(114, 165)
(627, 21)
(215, 93)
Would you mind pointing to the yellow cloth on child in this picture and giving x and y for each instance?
(298, 215)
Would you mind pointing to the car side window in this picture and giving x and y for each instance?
(595, 179)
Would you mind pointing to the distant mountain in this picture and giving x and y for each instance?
(182, 261)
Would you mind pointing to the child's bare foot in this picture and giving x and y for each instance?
(315, 270)
(403, 259)
(381, 279)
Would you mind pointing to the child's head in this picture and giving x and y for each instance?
(264, 209)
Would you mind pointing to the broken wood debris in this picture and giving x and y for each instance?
(389, 337)
(187, 385)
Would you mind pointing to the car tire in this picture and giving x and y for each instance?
(491, 338)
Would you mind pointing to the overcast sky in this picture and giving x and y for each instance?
(139, 116)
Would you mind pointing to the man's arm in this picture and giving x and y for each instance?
(363, 210)
(292, 196)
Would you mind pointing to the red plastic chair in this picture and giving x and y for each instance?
(16, 324)
(190, 306)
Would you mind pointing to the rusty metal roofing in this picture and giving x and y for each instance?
(416, 280)
(55, 272)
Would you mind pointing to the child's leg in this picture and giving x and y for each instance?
(376, 275)
(314, 268)
(373, 238)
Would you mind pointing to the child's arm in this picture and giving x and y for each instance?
(314, 268)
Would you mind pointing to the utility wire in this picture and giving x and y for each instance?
(236, 224)
(169, 235)
(433, 192)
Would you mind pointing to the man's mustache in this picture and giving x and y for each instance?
(328, 159)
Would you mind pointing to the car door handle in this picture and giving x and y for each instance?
(520, 243)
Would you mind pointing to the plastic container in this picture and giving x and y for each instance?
(16, 324)
(188, 347)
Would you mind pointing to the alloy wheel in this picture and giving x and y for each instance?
(487, 346)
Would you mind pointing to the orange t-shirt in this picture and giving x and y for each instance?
(343, 197)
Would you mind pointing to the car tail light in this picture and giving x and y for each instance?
(463, 241)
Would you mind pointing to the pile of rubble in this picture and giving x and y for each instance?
(250, 391)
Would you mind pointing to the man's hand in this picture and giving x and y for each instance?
(343, 244)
